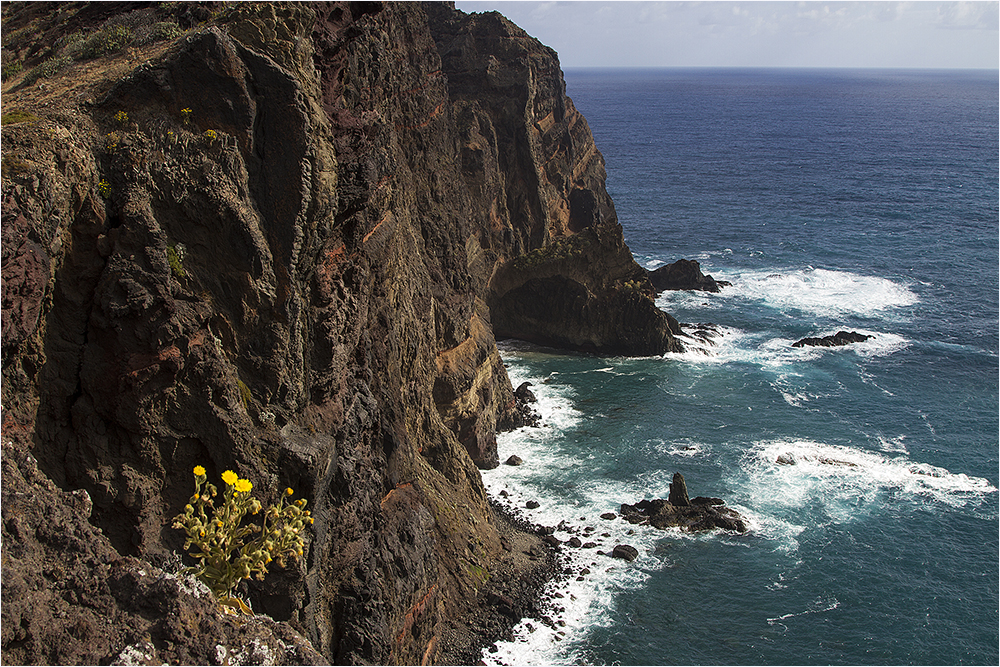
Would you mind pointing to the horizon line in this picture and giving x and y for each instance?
(790, 67)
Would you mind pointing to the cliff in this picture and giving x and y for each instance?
(282, 239)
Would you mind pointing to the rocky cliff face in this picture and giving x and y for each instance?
(284, 242)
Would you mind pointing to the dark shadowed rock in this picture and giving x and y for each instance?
(301, 279)
(836, 340)
(513, 460)
(522, 392)
(532, 504)
(684, 274)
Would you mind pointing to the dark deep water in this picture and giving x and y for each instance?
(831, 199)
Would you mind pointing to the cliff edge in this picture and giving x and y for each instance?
(282, 239)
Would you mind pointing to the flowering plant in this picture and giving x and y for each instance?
(225, 555)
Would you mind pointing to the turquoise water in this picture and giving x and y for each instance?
(855, 200)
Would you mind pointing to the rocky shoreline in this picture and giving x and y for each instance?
(513, 593)
(535, 558)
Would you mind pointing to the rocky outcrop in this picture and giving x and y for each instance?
(284, 243)
(678, 512)
(557, 270)
(684, 274)
(836, 340)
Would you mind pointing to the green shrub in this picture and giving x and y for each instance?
(47, 69)
(12, 166)
(101, 43)
(11, 70)
(160, 31)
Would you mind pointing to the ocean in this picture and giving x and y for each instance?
(855, 200)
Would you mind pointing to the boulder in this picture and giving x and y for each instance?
(836, 340)
(625, 552)
(514, 460)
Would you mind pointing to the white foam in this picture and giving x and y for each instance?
(732, 345)
(843, 482)
(588, 603)
(819, 606)
(821, 292)
(682, 447)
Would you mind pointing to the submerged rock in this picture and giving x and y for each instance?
(836, 340)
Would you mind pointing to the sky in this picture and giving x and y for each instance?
(949, 35)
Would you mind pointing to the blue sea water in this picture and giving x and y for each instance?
(832, 200)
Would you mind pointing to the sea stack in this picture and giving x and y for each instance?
(679, 491)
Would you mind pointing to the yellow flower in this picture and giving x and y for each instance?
(289, 491)
(229, 477)
(199, 471)
(243, 485)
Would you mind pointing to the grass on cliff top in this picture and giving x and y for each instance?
(41, 45)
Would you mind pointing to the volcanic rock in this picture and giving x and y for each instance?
(678, 491)
(684, 274)
(285, 243)
(836, 340)
(625, 552)
(513, 460)
(523, 393)
(701, 514)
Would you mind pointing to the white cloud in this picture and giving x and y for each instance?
(762, 34)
